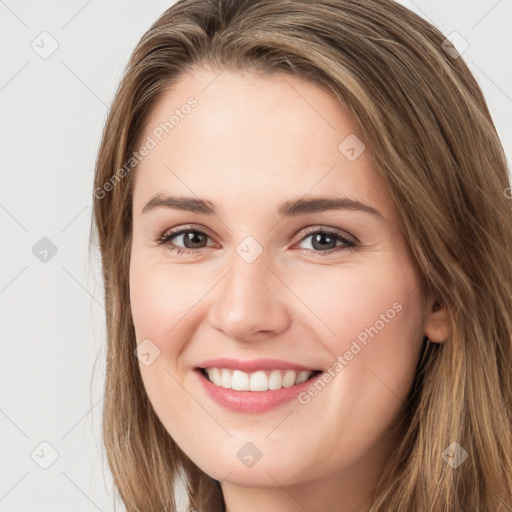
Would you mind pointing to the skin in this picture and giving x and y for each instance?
(252, 142)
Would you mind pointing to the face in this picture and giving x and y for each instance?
(329, 291)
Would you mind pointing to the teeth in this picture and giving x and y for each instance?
(225, 379)
(302, 377)
(239, 381)
(256, 381)
(214, 375)
(275, 380)
(289, 378)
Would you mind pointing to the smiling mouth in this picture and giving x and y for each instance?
(261, 380)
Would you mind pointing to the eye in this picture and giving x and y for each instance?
(191, 237)
(325, 238)
(323, 241)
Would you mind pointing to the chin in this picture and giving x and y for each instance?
(269, 473)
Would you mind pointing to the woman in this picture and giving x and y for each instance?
(249, 358)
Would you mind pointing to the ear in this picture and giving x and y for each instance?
(437, 323)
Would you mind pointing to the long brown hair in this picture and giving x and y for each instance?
(432, 138)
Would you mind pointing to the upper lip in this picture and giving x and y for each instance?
(253, 365)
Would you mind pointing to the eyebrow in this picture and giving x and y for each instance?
(291, 208)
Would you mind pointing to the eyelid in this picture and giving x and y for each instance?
(187, 227)
(319, 227)
(308, 230)
(160, 239)
(348, 241)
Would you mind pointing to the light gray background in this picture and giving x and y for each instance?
(52, 114)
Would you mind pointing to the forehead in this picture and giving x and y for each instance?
(256, 136)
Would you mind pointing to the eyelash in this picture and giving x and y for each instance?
(166, 236)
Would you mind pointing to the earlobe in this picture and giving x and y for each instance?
(438, 326)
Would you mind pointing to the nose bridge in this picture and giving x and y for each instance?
(251, 266)
(249, 299)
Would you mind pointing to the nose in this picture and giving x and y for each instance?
(249, 303)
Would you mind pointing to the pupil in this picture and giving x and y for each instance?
(318, 240)
(190, 238)
(320, 236)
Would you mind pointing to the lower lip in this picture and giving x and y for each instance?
(252, 401)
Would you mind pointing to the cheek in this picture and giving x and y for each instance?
(159, 300)
(162, 305)
(335, 308)
(372, 317)
(344, 303)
